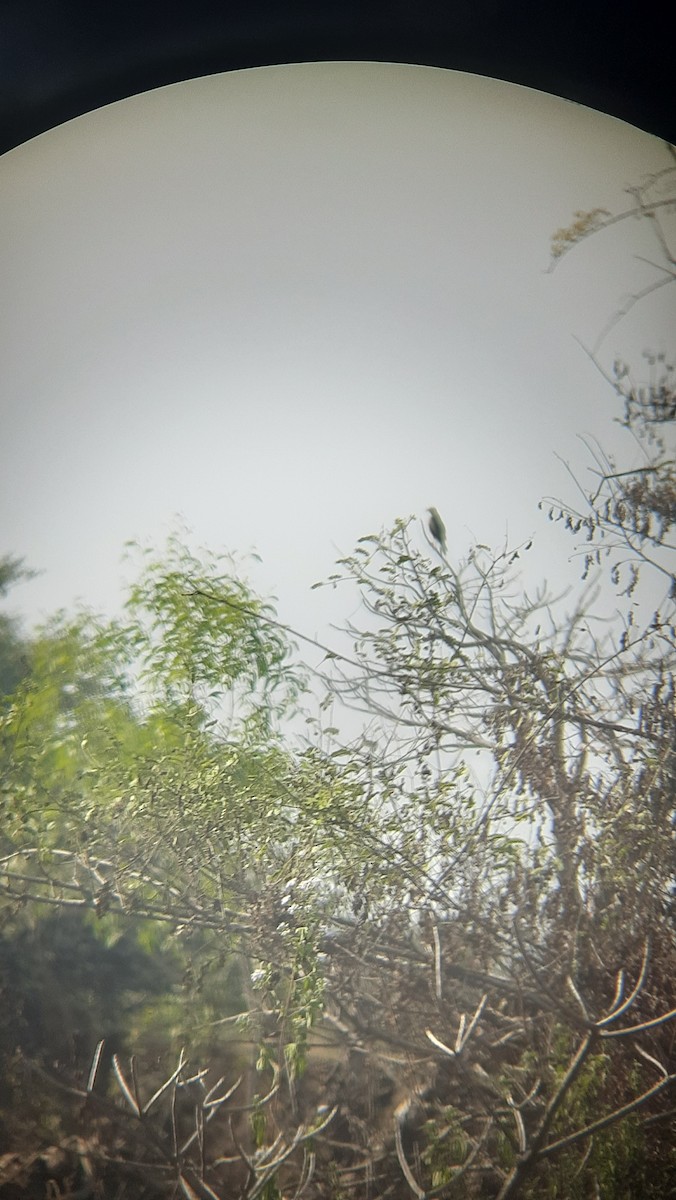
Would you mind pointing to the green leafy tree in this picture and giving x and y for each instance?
(13, 649)
(141, 784)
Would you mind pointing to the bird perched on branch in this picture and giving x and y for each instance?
(437, 529)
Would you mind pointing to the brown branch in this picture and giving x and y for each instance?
(645, 210)
(527, 1161)
(406, 1170)
(611, 1119)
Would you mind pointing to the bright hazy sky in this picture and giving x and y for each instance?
(292, 304)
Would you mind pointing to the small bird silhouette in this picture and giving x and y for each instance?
(437, 528)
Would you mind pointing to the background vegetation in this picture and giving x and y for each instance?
(436, 958)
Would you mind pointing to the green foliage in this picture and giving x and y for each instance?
(473, 851)
(200, 636)
(125, 720)
(130, 788)
(447, 1146)
(14, 649)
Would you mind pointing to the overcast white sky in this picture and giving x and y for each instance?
(294, 303)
